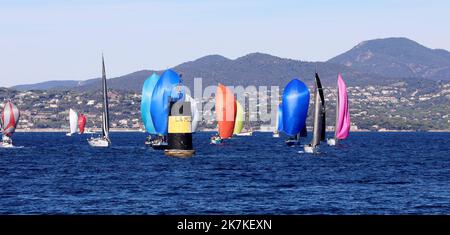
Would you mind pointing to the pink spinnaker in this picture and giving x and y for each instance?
(343, 121)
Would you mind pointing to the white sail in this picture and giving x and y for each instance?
(105, 126)
(195, 113)
(103, 141)
(73, 121)
(319, 118)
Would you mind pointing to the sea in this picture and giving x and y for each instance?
(369, 173)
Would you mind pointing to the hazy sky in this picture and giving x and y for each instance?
(61, 40)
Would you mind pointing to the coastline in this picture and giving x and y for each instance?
(204, 130)
(65, 130)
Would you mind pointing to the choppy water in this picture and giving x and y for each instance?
(371, 173)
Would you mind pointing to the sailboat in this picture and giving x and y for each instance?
(239, 119)
(342, 125)
(295, 140)
(294, 110)
(8, 122)
(103, 140)
(146, 102)
(319, 118)
(73, 122)
(81, 123)
(276, 134)
(279, 122)
(195, 112)
(248, 130)
(166, 91)
(225, 113)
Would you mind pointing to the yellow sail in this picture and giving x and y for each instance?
(239, 122)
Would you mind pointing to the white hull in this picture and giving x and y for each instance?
(216, 141)
(331, 142)
(69, 134)
(276, 135)
(310, 149)
(99, 142)
(6, 142)
(160, 145)
(245, 134)
(7, 145)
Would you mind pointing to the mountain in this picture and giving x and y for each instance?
(129, 82)
(256, 69)
(132, 81)
(397, 57)
(375, 62)
(263, 69)
(47, 85)
(253, 69)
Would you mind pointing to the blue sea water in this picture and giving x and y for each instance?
(370, 173)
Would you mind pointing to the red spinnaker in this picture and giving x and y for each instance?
(10, 118)
(81, 123)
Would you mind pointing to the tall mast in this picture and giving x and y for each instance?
(105, 117)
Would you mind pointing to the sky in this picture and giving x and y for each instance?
(43, 40)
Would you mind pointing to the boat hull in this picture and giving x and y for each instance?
(99, 142)
(291, 143)
(310, 149)
(148, 143)
(245, 134)
(6, 142)
(160, 146)
(331, 142)
(217, 141)
(7, 145)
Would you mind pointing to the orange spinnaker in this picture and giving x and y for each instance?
(225, 111)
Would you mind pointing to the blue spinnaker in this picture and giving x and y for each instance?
(164, 92)
(295, 103)
(146, 102)
(280, 118)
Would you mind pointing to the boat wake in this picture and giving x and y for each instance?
(12, 147)
(128, 147)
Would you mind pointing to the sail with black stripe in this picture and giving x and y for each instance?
(319, 113)
(105, 116)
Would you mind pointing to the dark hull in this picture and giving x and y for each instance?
(159, 146)
(291, 142)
